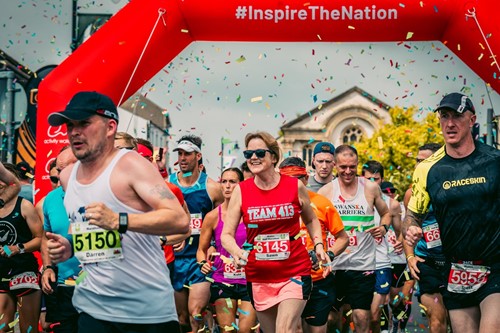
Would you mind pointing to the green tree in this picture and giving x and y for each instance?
(396, 145)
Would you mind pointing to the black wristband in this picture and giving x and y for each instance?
(318, 243)
(122, 223)
(386, 227)
(54, 268)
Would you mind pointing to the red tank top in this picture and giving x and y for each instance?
(168, 250)
(272, 221)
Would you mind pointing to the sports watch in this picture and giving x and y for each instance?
(20, 246)
(122, 223)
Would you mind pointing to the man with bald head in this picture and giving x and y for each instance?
(55, 285)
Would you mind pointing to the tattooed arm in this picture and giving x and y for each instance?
(137, 183)
(412, 227)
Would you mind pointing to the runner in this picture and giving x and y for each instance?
(355, 199)
(20, 236)
(278, 267)
(427, 262)
(462, 183)
(202, 194)
(228, 291)
(58, 281)
(374, 171)
(315, 314)
(322, 164)
(118, 205)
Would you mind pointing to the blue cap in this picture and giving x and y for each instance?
(324, 147)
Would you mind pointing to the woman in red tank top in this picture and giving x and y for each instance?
(277, 264)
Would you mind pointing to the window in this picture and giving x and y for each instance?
(352, 134)
(307, 155)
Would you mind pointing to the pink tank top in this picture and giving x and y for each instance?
(225, 271)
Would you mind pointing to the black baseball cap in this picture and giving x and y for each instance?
(387, 187)
(83, 105)
(456, 102)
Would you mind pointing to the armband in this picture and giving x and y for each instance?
(386, 227)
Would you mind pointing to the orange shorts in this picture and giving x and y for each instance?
(266, 295)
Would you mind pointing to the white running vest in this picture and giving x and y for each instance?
(357, 216)
(135, 289)
(382, 258)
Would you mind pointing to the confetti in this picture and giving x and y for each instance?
(297, 281)
(7, 251)
(409, 35)
(256, 99)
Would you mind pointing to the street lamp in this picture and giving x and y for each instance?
(223, 143)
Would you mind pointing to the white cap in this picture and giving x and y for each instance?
(187, 146)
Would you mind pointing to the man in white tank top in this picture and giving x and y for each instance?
(374, 171)
(355, 199)
(118, 205)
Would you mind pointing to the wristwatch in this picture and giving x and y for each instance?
(20, 246)
(122, 223)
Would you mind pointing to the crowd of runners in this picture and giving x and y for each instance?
(268, 247)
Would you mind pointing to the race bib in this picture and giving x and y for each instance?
(432, 235)
(26, 280)
(231, 272)
(467, 278)
(195, 223)
(272, 246)
(353, 239)
(330, 241)
(93, 244)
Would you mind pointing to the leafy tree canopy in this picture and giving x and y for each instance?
(396, 145)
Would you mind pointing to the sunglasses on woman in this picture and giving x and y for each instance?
(260, 153)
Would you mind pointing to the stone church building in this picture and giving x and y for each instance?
(342, 120)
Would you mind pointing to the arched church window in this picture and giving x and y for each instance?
(352, 134)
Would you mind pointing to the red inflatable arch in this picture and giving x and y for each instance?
(106, 61)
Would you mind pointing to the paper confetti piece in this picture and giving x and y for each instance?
(351, 27)
(380, 142)
(255, 327)
(409, 35)
(14, 323)
(184, 31)
(229, 303)
(385, 285)
(407, 277)
(80, 277)
(256, 99)
(246, 313)
(209, 279)
(348, 313)
(7, 251)
(186, 286)
(241, 59)
(297, 281)
(228, 328)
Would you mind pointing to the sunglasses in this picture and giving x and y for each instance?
(54, 179)
(260, 153)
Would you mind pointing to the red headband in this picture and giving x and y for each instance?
(144, 151)
(293, 171)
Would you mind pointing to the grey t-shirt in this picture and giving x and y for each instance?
(314, 185)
